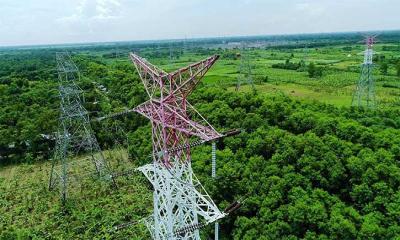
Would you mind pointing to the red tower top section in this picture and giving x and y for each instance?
(370, 41)
(173, 119)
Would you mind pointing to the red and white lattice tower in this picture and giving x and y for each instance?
(181, 204)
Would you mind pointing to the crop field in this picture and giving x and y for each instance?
(341, 66)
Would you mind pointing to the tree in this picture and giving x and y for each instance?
(384, 68)
(311, 70)
(398, 69)
(314, 71)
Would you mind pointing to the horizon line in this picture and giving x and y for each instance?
(182, 39)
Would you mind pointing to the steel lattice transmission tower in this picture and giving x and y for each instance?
(181, 204)
(245, 75)
(74, 135)
(364, 95)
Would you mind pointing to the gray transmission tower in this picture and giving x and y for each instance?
(364, 95)
(306, 52)
(244, 76)
(75, 135)
(171, 55)
(184, 46)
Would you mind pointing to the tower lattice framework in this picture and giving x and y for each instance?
(181, 204)
(364, 95)
(74, 135)
(245, 75)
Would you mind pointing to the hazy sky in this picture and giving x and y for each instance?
(68, 21)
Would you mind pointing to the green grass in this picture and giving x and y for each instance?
(29, 210)
(301, 92)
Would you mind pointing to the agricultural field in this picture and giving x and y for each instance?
(309, 165)
(340, 66)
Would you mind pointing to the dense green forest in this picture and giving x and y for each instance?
(308, 169)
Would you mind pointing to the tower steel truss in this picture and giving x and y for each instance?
(364, 95)
(245, 75)
(74, 135)
(181, 204)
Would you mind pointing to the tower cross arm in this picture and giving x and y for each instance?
(151, 75)
(174, 118)
(184, 80)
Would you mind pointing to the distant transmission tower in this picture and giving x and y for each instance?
(171, 55)
(364, 95)
(306, 52)
(184, 46)
(181, 204)
(244, 76)
(74, 134)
